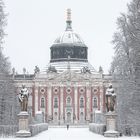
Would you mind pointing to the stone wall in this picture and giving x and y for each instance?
(37, 128)
(97, 128)
(8, 130)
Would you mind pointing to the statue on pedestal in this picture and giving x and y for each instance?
(23, 116)
(23, 98)
(110, 98)
(111, 129)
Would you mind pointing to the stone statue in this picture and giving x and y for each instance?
(110, 98)
(23, 98)
(85, 70)
(36, 70)
(52, 69)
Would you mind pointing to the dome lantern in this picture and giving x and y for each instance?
(69, 21)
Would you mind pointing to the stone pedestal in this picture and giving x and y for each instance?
(99, 117)
(111, 125)
(23, 125)
(39, 117)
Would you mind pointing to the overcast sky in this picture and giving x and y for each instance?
(33, 25)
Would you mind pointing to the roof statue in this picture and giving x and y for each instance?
(51, 69)
(85, 70)
(36, 70)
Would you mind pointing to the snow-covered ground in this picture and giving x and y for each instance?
(71, 134)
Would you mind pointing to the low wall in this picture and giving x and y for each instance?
(8, 130)
(37, 128)
(97, 128)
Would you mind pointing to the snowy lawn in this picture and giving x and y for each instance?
(71, 134)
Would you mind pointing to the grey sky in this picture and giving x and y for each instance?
(33, 25)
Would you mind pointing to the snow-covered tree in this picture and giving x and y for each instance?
(126, 68)
(7, 91)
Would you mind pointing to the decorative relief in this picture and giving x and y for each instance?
(42, 90)
(94, 90)
(82, 52)
(56, 90)
(82, 90)
(68, 90)
(69, 51)
(76, 52)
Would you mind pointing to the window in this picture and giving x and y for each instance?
(55, 102)
(81, 102)
(68, 101)
(42, 102)
(95, 102)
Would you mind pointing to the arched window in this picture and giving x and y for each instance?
(68, 101)
(81, 102)
(42, 102)
(55, 102)
(95, 104)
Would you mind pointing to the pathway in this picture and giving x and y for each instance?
(71, 134)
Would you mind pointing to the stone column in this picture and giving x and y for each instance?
(101, 99)
(36, 99)
(23, 125)
(75, 103)
(88, 97)
(61, 105)
(49, 101)
(111, 125)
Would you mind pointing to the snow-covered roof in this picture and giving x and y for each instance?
(69, 37)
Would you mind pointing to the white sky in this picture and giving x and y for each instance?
(33, 25)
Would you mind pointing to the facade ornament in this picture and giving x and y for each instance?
(85, 70)
(36, 70)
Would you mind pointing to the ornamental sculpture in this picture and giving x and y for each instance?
(110, 99)
(23, 98)
(85, 70)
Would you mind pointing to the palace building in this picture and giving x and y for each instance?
(69, 90)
